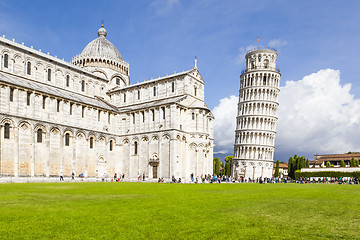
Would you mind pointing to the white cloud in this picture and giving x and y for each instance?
(224, 126)
(277, 43)
(316, 115)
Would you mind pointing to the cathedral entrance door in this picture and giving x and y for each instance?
(101, 168)
(155, 171)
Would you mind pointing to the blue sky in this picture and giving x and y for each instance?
(159, 37)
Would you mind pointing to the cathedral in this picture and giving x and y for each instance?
(86, 117)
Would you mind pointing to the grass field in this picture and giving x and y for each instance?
(178, 211)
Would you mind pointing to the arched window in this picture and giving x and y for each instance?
(44, 101)
(67, 139)
(71, 107)
(91, 142)
(28, 71)
(28, 95)
(266, 63)
(138, 94)
(7, 131)
(173, 87)
(67, 80)
(135, 148)
(58, 105)
(83, 85)
(154, 91)
(39, 135)
(111, 145)
(193, 116)
(6, 61)
(117, 81)
(11, 94)
(195, 91)
(259, 58)
(264, 82)
(124, 97)
(49, 74)
(153, 114)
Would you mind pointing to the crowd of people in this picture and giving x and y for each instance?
(340, 180)
(208, 178)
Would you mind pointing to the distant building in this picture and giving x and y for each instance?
(283, 169)
(334, 159)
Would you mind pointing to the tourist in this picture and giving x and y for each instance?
(72, 176)
(61, 177)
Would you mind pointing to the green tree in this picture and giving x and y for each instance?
(307, 163)
(228, 165)
(356, 162)
(276, 174)
(328, 164)
(342, 163)
(291, 167)
(352, 162)
(217, 164)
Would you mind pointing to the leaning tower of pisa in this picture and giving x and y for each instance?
(257, 115)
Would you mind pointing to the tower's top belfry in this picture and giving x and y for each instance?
(261, 58)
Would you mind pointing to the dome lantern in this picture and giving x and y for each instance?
(102, 31)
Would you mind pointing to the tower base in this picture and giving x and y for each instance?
(252, 169)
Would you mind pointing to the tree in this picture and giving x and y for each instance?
(276, 174)
(217, 164)
(291, 167)
(328, 164)
(352, 162)
(228, 165)
(342, 163)
(296, 163)
(356, 162)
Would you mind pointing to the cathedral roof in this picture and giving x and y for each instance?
(55, 91)
(101, 47)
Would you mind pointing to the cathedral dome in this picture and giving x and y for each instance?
(101, 48)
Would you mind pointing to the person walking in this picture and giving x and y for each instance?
(72, 176)
(61, 177)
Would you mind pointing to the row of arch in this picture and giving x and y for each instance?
(68, 134)
(258, 108)
(101, 62)
(42, 133)
(258, 153)
(260, 138)
(259, 123)
(260, 79)
(259, 94)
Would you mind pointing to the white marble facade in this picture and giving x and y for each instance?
(86, 117)
(257, 115)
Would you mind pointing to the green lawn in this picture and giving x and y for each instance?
(178, 211)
